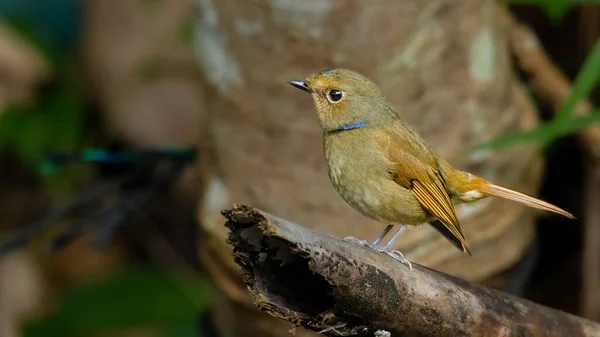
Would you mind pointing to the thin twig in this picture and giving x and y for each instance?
(31, 231)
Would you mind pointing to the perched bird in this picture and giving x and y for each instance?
(382, 168)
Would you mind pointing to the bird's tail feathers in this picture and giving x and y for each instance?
(492, 190)
(456, 241)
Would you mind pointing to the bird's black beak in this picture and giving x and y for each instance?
(300, 85)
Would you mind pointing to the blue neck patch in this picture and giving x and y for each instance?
(328, 72)
(351, 126)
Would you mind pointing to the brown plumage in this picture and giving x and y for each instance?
(384, 169)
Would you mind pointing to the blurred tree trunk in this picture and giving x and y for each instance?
(444, 65)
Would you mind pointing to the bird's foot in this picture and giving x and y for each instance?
(358, 241)
(395, 254)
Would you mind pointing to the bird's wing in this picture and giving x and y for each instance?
(425, 181)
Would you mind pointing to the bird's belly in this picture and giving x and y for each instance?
(377, 197)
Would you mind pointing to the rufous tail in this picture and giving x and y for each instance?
(490, 189)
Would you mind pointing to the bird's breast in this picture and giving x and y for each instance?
(359, 174)
(356, 187)
(352, 177)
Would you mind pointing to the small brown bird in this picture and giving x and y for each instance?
(385, 170)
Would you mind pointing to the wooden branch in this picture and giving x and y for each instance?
(339, 288)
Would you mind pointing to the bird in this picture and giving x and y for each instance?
(384, 169)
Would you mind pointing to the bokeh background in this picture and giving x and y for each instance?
(126, 126)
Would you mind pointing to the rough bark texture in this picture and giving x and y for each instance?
(338, 288)
(443, 64)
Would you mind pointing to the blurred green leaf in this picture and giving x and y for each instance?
(189, 329)
(54, 121)
(24, 29)
(557, 9)
(543, 133)
(564, 122)
(130, 299)
(586, 79)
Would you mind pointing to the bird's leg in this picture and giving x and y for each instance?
(382, 235)
(394, 238)
(396, 254)
(366, 243)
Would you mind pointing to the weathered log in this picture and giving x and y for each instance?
(338, 288)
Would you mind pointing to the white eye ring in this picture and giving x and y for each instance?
(334, 96)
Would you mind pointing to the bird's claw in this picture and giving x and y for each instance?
(398, 256)
(358, 241)
(395, 254)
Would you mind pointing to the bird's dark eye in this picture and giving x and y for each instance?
(335, 95)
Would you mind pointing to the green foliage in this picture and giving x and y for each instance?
(24, 29)
(585, 81)
(546, 132)
(55, 121)
(130, 299)
(189, 329)
(564, 122)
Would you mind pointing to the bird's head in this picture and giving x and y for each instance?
(344, 98)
